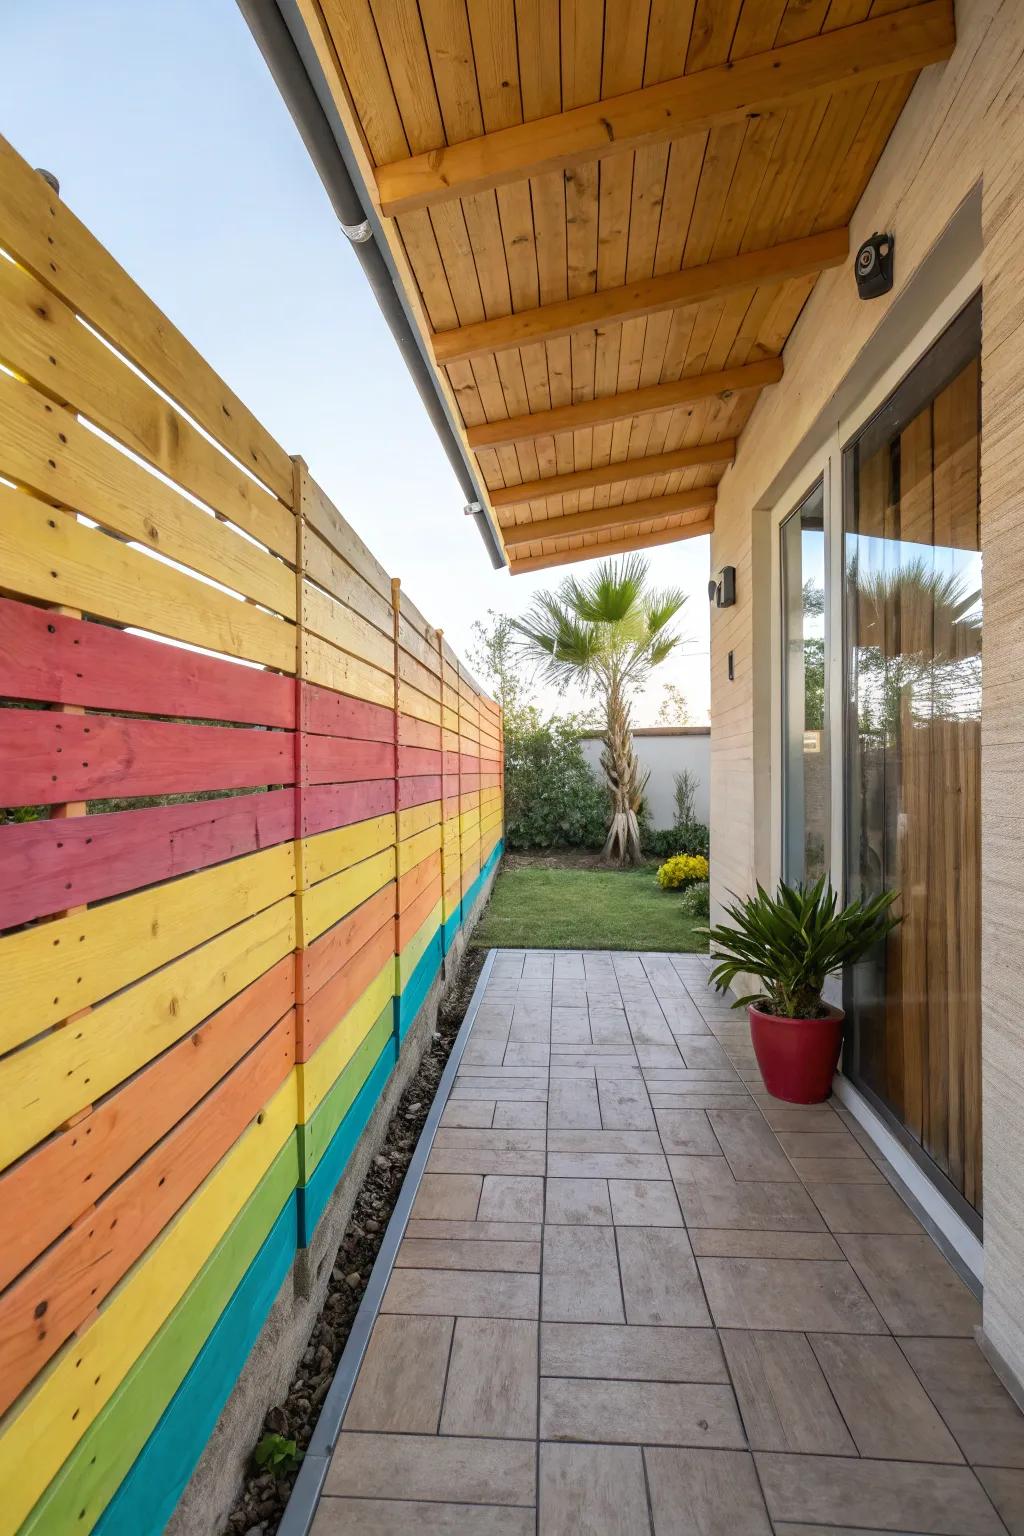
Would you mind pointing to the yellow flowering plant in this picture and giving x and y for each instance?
(682, 869)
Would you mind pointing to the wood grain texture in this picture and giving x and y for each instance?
(51, 865)
(56, 1296)
(612, 546)
(42, 233)
(648, 296)
(617, 521)
(54, 659)
(48, 1191)
(47, 757)
(721, 452)
(711, 98)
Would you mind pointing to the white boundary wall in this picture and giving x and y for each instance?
(666, 751)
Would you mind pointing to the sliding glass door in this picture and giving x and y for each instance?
(805, 757)
(912, 754)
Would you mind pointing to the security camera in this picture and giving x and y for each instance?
(873, 266)
(722, 587)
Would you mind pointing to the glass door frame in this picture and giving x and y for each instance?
(826, 463)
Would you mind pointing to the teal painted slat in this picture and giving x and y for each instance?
(147, 1497)
(313, 1197)
(419, 984)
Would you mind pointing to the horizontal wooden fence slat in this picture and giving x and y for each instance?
(49, 866)
(42, 233)
(50, 657)
(48, 1081)
(46, 757)
(44, 448)
(204, 998)
(42, 340)
(55, 970)
(326, 713)
(44, 1193)
(51, 558)
(74, 1276)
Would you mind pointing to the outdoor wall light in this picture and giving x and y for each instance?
(722, 587)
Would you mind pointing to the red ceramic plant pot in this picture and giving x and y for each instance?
(797, 1057)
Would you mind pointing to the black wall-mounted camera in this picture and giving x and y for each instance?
(873, 266)
(722, 587)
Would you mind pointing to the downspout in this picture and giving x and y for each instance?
(284, 43)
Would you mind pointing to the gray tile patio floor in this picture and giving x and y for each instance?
(637, 1295)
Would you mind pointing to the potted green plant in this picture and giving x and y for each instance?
(792, 942)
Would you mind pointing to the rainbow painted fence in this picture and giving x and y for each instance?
(247, 864)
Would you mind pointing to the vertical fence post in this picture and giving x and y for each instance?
(300, 475)
(396, 600)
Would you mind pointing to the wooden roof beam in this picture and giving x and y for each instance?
(877, 49)
(698, 456)
(607, 519)
(694, 285)
(614, 547)
(635, 402)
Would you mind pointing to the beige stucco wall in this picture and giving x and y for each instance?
(962, 129)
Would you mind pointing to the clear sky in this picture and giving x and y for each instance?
(171, 142)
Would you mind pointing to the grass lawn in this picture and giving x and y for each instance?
(543, 907)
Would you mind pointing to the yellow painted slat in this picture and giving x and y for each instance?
(38, 1438)
(41, 232)
(326, 852)
(48, 1082)
(412, 702)
(42, 339)
(324, 565)
(317, 1075)
(416, 817)
(325, 903)
(419, 677)
(52, 558)
(58, 968)
(346, 628)
(417, 848)
(323, 663)
(45, 448)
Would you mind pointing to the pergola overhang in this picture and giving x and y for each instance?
(604, 218)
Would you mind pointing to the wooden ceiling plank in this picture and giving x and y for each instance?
(871, 50)
(612, 408)
(674, 535)
(713, 279)
(609, 519)
(701, 454)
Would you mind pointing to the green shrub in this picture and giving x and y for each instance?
(552, 798)
(695, 900)
(663, 844)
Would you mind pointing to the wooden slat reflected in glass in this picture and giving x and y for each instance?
(913, 668)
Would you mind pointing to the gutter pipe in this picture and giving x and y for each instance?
(286, 47)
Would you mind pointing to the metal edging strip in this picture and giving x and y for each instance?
(301, 1508)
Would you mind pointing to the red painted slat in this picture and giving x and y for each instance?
(341, 760)
(417, 791)
(337, 805)
(48, 866)
(49, 1189)
(47, 756)
(59, 660)
(336, 714)
(413, 732)
(413, 760)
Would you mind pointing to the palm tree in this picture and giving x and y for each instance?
(607, 634)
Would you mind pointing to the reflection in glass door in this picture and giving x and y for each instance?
(805, 771)
(913, 682)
